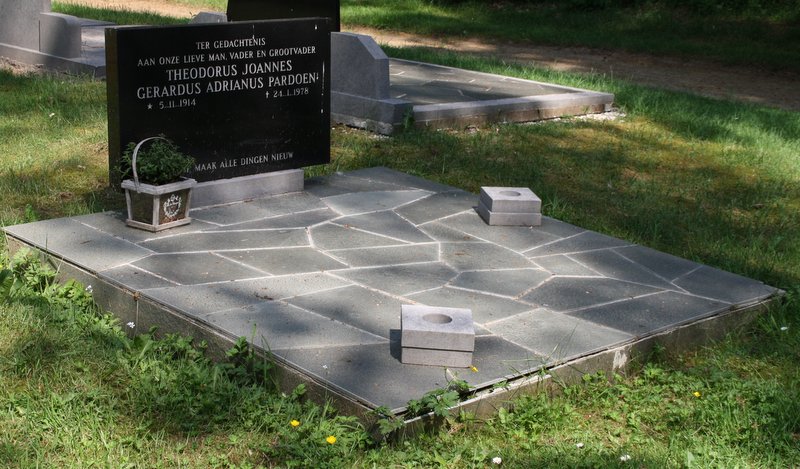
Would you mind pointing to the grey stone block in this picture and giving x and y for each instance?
(437, 328)
(209, 17)
(510, 200)
(282, 261)
(225, 191)
(383, 116)
(19, 22)
(428, 357)
(507, 218)
(358, 66)
(59, 35)
(360, 85)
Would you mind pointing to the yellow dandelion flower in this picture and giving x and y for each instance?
(474, 368)
(697, 394)
(331, 439)
(294, 423)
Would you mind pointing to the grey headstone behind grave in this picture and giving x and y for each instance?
(60, 35)
(360, 85)
(359, 66)
(209, 17)
(19, 22)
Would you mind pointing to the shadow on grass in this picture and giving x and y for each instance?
(745, 39)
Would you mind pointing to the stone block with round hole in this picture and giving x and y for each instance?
(510, 200)
(435, 327)
(431, 357)
(508, 218)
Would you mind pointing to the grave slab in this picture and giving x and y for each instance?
(402, 280)
(330, 236)
(386, 223)
(373, 201)
(557, 336)
(551, 295)
(519, 238)
(206, 268)
(228, 241)
(292, 220)
(485, 307)
(274, 325)
(282, 261)
(478, 256)
(437, 328)
(510, 282)
(360, 307)
(437, 206)
(388, 255)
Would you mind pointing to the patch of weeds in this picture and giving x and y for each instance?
(246, 367)
(439, 401)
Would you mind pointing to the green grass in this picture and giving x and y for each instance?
(652, 28)
(125, 17)
(710, 180)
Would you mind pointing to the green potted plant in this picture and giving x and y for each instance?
(157, 193)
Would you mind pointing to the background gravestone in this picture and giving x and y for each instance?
(19, 22)
(242, 98)
(249, 10)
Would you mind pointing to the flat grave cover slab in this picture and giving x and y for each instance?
(318, 279)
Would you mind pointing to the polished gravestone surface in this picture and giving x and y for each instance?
(318, 278)
(242, 98)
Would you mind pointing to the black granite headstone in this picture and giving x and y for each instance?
(242, 98)
(251, 10)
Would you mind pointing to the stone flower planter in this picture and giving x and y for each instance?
(158, 207)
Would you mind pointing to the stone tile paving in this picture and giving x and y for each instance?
(318, 278)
